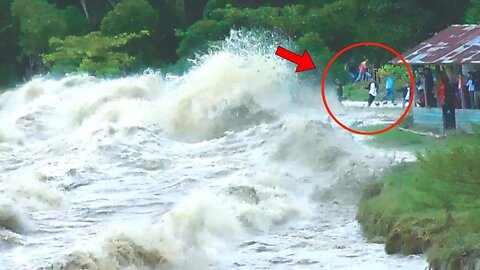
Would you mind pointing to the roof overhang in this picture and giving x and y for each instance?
(456, 45)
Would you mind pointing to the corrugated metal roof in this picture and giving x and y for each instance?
(457, 44)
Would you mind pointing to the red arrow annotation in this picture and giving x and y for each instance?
(304, 61)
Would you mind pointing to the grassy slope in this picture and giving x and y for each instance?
(396, 138)
(432, 206)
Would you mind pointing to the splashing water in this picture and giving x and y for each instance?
(217, 168)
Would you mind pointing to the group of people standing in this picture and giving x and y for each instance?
(361, 73)
(463, 92)
(373, 91)
(434, 87)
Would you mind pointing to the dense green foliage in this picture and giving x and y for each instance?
(179, 27)
(130, 16)
(92, 53)
(431, 206)
(473, 13)
(398, 72)
(9, 70)
(38, 21)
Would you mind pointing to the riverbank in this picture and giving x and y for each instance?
(429, 207)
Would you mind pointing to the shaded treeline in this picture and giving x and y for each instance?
(111, 37)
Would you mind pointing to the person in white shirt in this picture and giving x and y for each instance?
(372, 91)
(407, 91)
(471, 91)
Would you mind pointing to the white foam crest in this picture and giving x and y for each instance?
(12, 217)
(239, 83)
(273, 206)
(226, 92)
(33, 194)
(187, 237)
(23, 195)
(196, 232)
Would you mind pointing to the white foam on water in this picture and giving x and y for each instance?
(232, 164)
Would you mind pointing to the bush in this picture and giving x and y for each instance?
(398, 72)
(431, 206)
(92, 53)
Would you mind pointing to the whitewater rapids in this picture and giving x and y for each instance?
(232, 165)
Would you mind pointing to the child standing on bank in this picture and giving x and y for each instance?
(372, 91)
(407, 92)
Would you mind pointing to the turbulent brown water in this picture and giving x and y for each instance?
(219, 168)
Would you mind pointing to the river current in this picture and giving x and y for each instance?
(232, 165)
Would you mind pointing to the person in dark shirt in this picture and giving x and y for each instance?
(461, 90)
(351, 68)
(429, 97)
(421, 98)
(420, 84)
(339, 87)
(448, 107)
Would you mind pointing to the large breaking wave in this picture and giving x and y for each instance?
(162, 171)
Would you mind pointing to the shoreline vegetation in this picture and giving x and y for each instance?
(431, 206)
(108, 38)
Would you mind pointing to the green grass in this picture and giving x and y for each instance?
(355, 92)
(398, 138)
(405, 140)
(431, 206)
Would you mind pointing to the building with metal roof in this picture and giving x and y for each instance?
(455, 48)
(456, 45)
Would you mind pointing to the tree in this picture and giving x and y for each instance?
(39, 21)
(130, 16)
(197, 36)
(193, 9)
(8, 46)
(171, 17)
(411, 21)
(92, 53)
(216, 4)
(77, 24)
(321, 54)
(181, 27)
(95, 10)
(473, 13)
